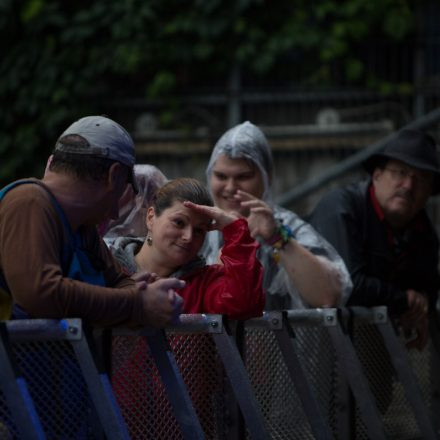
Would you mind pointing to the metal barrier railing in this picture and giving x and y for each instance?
(64, 392)
(354, 161)
(319, 373)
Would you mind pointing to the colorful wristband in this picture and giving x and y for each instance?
(279, 240)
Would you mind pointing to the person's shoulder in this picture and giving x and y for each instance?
(27, 191)
(285, 215)
(125, 243)
(30, 204)
(343, 196)
(124, 250)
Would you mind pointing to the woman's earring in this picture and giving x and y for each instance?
(149, 240)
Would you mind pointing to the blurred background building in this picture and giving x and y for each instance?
(323, 79)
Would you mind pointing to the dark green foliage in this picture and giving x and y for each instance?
(61, 60)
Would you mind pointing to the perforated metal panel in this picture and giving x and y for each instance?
(8, 430)
(61, 399)
(141, 394)
(58, 390)
(319, 361)
(274, 388)
(398, 418)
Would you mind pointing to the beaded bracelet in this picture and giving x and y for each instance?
(279, 240)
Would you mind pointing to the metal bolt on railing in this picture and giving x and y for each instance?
(73, 330)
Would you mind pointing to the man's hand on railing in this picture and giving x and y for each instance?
(417, 334)
(417, 306)
(414, 321)
(162, 305)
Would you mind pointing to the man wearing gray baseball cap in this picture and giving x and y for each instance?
(52, 262)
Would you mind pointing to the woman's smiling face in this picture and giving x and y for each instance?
(178, 233)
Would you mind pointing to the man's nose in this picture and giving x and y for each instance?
(409, 181)
(230, 185)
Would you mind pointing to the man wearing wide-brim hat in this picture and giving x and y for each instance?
(381, 230)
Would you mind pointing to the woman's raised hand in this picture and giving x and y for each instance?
(260, 219)
(220, 218)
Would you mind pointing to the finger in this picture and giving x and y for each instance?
(208, 210)
(177, 302)
(142, 285)
(252, 202)
(141, 276)
(262, 210)
(414, 313)
(414, 318)
(414, 343)
(423, 341)
(243, 195)
(171, 283)
(419, 342)
(171, 296)
(419, 301)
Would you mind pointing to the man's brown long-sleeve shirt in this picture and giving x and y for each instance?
(31, 242)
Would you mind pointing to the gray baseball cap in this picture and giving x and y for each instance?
(106, 138)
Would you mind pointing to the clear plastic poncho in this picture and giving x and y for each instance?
(247, 141)
(133, 207)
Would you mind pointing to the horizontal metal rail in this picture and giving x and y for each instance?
(300, 191)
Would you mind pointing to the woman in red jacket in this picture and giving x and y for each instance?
(181, 213)
(177, 221)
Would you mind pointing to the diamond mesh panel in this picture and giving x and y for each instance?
(58, 390)
(203, 373)
(398, 418)
(275, 390)
(142, 396)
(421, 363)
(319, 362)
(8, 430)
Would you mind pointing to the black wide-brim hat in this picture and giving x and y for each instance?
(412, 147)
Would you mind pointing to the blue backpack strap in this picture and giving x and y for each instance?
(5, 189)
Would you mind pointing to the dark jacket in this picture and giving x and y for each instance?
(347, 219)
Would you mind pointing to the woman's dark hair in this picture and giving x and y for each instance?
(83, 166)
(181, 189)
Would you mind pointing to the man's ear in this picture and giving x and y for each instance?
(116, 175)
(376, 174)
